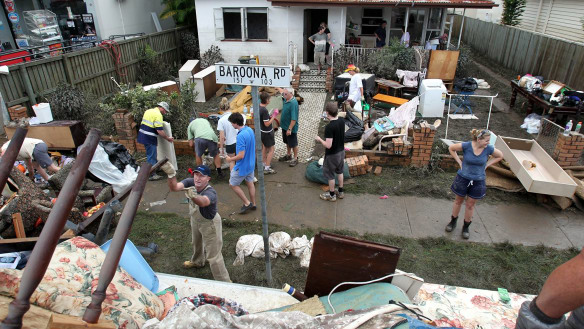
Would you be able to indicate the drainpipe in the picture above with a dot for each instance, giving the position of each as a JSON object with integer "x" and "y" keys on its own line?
{"x": 537, "y": 17}
{"x": 548, "y": 16}
{"x": 407, "y": 21}
{"x": 461, "y": 26}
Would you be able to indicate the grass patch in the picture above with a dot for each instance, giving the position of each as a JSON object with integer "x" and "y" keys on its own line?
{"x": 437, "y": 260}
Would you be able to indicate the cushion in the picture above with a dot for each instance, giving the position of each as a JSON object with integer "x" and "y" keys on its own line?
{"x": 72, "y": 276}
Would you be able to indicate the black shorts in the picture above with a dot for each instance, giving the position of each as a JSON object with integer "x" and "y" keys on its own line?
{"x": 476, "y": 189}
{"x": 290, "y": 141}
{"x": 333, "y": 165}
{"x": 268, "y": 139}
{"x": 230, "y": 149}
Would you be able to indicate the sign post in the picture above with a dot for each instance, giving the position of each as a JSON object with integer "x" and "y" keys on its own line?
{"x": 256, "y": 76}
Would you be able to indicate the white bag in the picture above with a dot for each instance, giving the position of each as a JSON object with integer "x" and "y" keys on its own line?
{"x": 103, "y": 169}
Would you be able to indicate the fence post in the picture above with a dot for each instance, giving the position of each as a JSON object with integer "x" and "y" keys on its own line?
{"x": 68, "y": 70}
{"x": 177, "y": 43}
{"x": 27, "y": 85}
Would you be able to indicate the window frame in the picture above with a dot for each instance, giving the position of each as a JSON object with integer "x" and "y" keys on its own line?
{"x": 220, "y": 25}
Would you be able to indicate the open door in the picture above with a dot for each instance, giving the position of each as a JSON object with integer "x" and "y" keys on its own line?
{"x": 312, "y": 19}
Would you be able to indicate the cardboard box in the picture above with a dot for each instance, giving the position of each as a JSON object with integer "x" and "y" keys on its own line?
{"x": 546, "y": 178}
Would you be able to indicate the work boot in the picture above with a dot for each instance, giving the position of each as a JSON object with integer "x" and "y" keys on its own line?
{"x": 465, "y": 232}
{"x": 452, "y": 224}
{"x": 189, "y": 264}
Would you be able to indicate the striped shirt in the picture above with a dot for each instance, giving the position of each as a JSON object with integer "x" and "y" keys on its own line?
{"x": 151, "y": 122}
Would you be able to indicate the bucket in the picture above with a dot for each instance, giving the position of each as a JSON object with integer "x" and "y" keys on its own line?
{"x": 43, "y": 112}
{"x": 133, "y": 262}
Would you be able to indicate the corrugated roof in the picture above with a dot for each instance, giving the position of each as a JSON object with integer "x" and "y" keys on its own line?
{"x": 399, "y": 3}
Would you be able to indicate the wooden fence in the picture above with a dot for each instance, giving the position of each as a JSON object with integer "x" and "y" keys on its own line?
{"x": 525, "y": 51}
{"x": 90, "y": 69}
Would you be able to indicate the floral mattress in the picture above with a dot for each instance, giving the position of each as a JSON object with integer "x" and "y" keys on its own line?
{"x": 468, "y": 308}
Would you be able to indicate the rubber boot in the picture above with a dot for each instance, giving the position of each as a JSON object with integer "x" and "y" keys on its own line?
{"x": 465, "y": 232}
{"x": 452, "y": 224}
{"x": 576, "y": 319}
{"x": 527, "y": 319}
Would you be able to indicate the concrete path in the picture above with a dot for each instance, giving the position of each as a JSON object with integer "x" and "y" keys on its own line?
{"x": 294, "y": 202}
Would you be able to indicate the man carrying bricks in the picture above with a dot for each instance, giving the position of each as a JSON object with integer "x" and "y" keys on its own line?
{"x": 334, "y": 156}
{"x": 203, "y": 138}
{"x": 150, "y": 128}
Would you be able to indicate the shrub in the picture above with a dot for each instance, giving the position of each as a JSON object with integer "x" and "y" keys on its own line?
{"x": 151, "y": 69}
{"x": 68, "y": 103}
{"x": 189, "y": 45}
{"x": 512, "y": 12}
{"x": 211, "y": 56}
{"x": 137, "y": 101}
{"x": 387, "y": 60}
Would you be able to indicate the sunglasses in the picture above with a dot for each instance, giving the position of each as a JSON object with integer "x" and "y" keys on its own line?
{"x": 484, "y": 132}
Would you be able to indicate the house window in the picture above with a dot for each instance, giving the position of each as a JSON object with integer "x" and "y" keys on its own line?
{"x": 371, "y": 19}
{"x": 241, "y": 24}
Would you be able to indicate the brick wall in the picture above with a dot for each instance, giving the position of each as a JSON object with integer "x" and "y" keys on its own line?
{"x": 329, "y": 80}
{"x": 126, "y": 129}
{"x": 416, "y": 153}
{"x": 296, "y": 78}
{"x": 568, "y": 150}
{"x": 447, "y": 162}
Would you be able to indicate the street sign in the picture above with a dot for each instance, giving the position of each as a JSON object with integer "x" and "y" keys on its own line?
{"x": 253, "y": 75}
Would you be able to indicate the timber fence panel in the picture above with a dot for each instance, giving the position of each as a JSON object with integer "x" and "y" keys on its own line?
{"x": 525, "y": 51}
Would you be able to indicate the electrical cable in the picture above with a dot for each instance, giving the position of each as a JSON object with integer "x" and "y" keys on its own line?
{"x": 113, "y": 49}
{"x": 360, "y": 283}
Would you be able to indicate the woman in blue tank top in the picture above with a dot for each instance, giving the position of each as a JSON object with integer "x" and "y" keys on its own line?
{"x": 470, "y": 179}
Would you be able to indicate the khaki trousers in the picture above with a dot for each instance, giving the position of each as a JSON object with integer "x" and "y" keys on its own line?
{"x": 207, "y": 243}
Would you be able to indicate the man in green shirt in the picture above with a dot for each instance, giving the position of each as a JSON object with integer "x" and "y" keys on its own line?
{"x": 203, "y": 138}
{"x": 289, "y": 125}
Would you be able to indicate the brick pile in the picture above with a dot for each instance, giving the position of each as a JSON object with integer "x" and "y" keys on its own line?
{"x": 181, "y": 147}
{"x": 568, "y": 150}
{"x": 17, "y": 112}
{"x": 126, "y": 129}
{"x": 423, "y": 140}
{"x": 358, "y": 165}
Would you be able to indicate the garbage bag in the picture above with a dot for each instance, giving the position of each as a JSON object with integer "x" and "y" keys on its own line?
{"x": 281, "y": 244}
{"x": 102, "y": 168}
{"x": 466, "y": 84}
{"x": 314, "y": 173}
{"x": 298, "y": 245}
{"x": 118, "y": 155}
{"x": 355, "y": 130}
{"x": 532, "y": 123}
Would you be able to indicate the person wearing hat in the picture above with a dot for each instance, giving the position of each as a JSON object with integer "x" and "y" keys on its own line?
{"x": 355, "y": 87}
{"x": 150, "y": 128}
{"x": 206, "y": 230}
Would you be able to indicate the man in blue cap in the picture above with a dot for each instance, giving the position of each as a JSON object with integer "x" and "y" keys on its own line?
{"x": 207, "y": 237}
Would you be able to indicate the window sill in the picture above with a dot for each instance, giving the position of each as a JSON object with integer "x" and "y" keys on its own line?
{"x": 252, "y": 40}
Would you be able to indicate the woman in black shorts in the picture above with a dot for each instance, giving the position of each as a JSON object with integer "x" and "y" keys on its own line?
{"x": 470, "y": 179}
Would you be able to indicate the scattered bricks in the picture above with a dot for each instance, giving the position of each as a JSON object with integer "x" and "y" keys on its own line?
{"x": 358, "y": 165}
{"x": 17, "y": 112}
{"x": 377, "y": 171}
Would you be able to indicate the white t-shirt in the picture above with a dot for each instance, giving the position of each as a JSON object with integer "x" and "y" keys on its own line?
{"x": 26, "y": 149}
{"x": 355, "y": 88}
{"x": 225, "y": 126}
{"x": 405, "y": 39}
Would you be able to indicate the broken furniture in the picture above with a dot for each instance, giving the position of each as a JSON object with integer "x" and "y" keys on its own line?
{"x": 533, "y": 100}
{"x": 388, "y": 86}
{"x": 403, "y": 134}
{"x": 167, "y": 86}
{"x": 442, "y": 65}
{"x": 547, "y": 177}
{"x": 336, "y": 259}
{"x": 388, "y": 100}
{"x": 205, "y": 84}
{"x": 188, "y": 70}
{"x": 58, "y": 135}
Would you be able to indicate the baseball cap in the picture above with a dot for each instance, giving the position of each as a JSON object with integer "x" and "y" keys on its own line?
{"x": 165, "y": 106}
{"x": 351, "y": 67}
{"x": 204, "y": 170}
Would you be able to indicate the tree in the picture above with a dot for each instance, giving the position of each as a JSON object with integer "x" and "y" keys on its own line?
{"x": 512, "y": 12}
{"x": 182, "y": 11}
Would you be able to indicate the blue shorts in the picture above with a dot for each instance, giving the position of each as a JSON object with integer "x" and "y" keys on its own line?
{"x": 476, "y": 189}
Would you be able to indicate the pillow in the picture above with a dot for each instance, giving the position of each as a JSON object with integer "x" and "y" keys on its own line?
{"x": 72, "y": 276}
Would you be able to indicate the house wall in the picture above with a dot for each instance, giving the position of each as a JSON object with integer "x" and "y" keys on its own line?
{"x": 284, "y": 25}
{"x": 126, "y": 17}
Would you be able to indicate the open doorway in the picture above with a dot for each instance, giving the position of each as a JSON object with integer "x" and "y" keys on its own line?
{"x": 312, "y": 19}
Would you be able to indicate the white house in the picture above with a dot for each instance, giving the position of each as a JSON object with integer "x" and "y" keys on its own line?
{"x": 267, "y": 27}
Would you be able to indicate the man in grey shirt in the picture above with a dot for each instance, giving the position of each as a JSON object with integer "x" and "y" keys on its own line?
{"x": 319, "y": 40}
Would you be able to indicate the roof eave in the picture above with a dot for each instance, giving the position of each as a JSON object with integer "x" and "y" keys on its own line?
{"x": 304, "y": 3}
